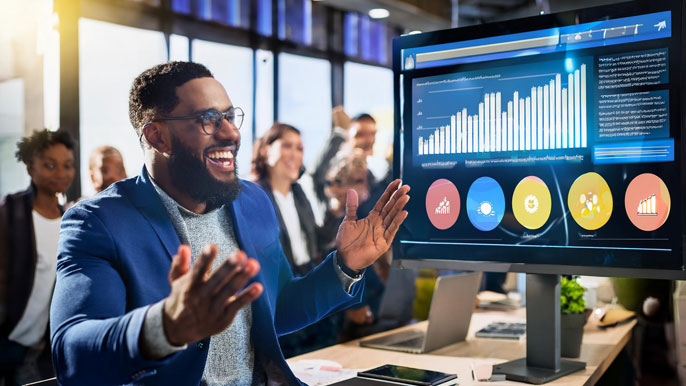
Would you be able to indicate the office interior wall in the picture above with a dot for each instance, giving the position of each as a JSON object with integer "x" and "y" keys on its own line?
{"x": 369, "y": 89}
{"x": 106, "y": 72}
{"x": 305, "y": 100}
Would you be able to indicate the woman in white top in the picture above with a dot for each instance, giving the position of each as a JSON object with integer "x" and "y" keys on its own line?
{"x": 29, "y": 233}
{"x": 277, "y": 165}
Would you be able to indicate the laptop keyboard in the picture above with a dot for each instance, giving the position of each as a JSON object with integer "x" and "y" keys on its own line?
{"x": 413, "y": 342}
{"x": 503, "y": 330}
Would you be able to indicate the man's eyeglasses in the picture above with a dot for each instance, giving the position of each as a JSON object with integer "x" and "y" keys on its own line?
{"x": 211, "y": 120}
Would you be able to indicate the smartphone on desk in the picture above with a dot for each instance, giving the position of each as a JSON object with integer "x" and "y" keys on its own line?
{"x": 407, "y": 375}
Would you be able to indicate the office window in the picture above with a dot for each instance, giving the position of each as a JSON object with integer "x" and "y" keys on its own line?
{"x": 202, "y": 9}
{"x": 264, "y": 91}
{"x": 366, "y": 38}
{"x": 351, "y": 33}
{"x": 105, "y": 77}
{"x": 295, "y": 21}
{"x": 13, "y": 176}
{"x": 264, "y": 17}
{"x": 305, "y": 100}
{"x": 178, "y": 47}
{"x": 181, "y": 6}
{"x": 320, "y": 34}
{"x": 235, "y": 13}
{"x": 49, "y": 46}
{"x": 232, "y": 66}
{"x": 369, "y": 89}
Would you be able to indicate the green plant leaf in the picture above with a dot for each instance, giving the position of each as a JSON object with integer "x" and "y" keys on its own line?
{"x": 572, "y": 296}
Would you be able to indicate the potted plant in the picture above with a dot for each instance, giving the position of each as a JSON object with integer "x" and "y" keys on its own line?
{"x": 573, "y": 319}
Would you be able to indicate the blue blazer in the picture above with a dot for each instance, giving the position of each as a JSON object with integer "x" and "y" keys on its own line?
{"x": 114, "y": 256}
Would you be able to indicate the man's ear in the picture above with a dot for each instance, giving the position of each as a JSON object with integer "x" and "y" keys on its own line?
{"x": 157, "y": 136}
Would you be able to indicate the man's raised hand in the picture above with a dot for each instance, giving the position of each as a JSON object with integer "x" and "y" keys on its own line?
{"x": 202, "y": 302}
{"x": 361, "y": 242}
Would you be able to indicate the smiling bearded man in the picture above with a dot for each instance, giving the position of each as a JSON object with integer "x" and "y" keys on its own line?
{"x": 177, "y": 276}
{"x": 190, "y": 173}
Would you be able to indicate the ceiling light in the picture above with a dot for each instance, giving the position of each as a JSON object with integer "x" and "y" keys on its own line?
{"x": 379, "y": 13}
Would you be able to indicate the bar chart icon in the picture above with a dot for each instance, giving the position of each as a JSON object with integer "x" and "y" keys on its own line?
{"x": 647, "y": 207}
{"x": 545, "y": 116}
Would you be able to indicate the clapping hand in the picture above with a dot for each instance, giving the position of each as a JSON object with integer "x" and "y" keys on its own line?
{"x": 202, "y": 302}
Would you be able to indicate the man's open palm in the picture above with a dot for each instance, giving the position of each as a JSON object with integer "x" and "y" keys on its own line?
{"x": 361, "y": 242}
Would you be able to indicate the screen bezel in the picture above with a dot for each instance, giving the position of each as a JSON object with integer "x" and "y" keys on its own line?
{"x": 530, "y": 24}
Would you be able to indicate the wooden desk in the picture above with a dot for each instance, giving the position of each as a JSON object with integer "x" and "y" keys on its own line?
{"x": 599, "y": 349}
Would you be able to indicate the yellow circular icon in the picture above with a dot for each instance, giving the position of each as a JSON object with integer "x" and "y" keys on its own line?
{"x": 590, "y": 201}
{"x": 531, "y": 202}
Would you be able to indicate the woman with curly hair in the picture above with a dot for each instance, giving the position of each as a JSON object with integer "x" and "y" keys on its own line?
{"x": 29, "y": 232}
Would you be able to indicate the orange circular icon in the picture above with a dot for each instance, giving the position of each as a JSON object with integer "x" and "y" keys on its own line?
{"x": 647, "y": 202}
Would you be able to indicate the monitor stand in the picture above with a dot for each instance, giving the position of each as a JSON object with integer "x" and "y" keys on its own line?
{"x": 542, "y": 363}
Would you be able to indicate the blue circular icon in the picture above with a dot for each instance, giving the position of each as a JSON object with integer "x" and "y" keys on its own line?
{"x": 485, "y": 203}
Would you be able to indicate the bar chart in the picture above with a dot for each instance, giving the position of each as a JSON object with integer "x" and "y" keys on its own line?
{"x": 647, "y": 207}
{"x": 542, "y": 112}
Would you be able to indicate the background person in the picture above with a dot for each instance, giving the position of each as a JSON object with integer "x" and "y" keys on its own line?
{"x": 277, "y": 166}
{"x": 29, "y": 231}
{"x": 348, "y": 134}
{"x": 106, "y": 166}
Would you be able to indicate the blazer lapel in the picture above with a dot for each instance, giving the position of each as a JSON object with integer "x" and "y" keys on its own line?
{"x": 262, "y": 316}
{"x": 148, "y": 202}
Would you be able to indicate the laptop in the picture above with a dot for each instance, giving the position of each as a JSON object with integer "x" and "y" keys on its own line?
{"x": 449, "y": 317}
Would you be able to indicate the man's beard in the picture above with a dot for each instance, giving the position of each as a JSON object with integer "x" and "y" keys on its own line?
{"x": 190, "y": 175}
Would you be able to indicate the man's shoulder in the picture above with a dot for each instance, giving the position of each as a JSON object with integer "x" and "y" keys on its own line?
{"x": 252, "y": 194}
{"x": 116, "y": 197}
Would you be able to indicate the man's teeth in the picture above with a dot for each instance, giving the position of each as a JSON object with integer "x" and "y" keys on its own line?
{"x": 221, "y": 155}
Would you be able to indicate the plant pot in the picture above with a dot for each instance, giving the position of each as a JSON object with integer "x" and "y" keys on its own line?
{"x": 571, "y": 334}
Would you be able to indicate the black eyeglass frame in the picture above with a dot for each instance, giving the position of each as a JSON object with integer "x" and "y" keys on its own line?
{"x": 230, "y": 115}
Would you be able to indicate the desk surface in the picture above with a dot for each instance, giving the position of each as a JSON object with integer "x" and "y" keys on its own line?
{"x": 599, "y": 349}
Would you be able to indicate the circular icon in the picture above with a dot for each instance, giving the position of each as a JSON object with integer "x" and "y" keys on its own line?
{"x": 531, "y": 203}
{"x": 485, "y": 203}
{"x": 442, "y": 203}
{"x": 647, "y": 202}
{"x": 590, "y": 201}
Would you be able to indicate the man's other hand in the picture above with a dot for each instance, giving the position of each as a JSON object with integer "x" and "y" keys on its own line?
{"x": 340, "y": 118}
{"x": 202, "y": 302}
{"x": 361, "y": 242}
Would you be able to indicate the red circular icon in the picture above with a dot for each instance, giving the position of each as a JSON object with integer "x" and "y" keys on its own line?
{"x": 647, "y": 202}
{"x": 442, "y": 204}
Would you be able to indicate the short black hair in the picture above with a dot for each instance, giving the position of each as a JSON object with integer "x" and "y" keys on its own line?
{"x": 363, "y": 116}
{"x": 154, "y": 91}
{"x": 39, "y": 141}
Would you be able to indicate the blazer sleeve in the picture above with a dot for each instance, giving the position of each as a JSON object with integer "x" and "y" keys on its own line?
{"x": 92, "y": 335}
{"x": 305, "y": 300}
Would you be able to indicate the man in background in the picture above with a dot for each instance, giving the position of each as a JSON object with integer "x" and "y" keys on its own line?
{"x": 348, "y": 134}
{"x": 106, "y": 167}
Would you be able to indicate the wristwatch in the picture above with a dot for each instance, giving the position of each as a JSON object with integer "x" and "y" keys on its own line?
{"x": 353, "y": 273}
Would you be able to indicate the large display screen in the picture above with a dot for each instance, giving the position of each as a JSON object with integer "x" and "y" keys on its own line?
{"x": 553, "y": 140}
